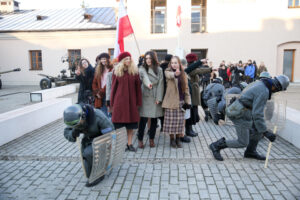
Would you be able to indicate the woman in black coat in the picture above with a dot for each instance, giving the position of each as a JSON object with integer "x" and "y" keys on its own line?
{"x": 85, "y": 75}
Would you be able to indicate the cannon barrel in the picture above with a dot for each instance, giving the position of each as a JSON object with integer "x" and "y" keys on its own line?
{"x": 14, "y": 70}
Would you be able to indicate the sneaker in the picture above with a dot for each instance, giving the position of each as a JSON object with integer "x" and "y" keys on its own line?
{"x": 95, "y": 182}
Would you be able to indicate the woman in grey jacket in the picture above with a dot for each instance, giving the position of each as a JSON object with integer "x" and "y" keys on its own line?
{"x": 151, "y": 76}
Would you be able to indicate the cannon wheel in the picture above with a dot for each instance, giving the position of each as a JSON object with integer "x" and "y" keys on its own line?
{"x": 45, "y": 83}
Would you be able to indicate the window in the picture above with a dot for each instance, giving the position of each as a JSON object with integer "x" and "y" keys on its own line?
{"x": 74, "y": 58}
{"x": 161, "y": 54}
{"x": 294, "y": 3}
{"x": 111, "y": 53}
{"x": 3, "y": 3}
{"x": 36, "y": 60}
{"x": 198, "y": 16}
{"x": 201, "y": 53}
{"x": 158, "y": 16}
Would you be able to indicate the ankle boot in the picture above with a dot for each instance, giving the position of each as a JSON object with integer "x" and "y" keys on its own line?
{"x": 172, "y": 141}
{"x": 192, "y": 131}
{"x": 188, "y": 131}
{"x": 216, "y": 147}
{"x": 151, "y": 143}
{"x": 141, "y": 145}
{"x": 251, "y": 151}
{"x": 178, "y": 142}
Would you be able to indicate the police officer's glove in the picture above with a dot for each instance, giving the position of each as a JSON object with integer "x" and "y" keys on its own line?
{"x": 271, "y": 136}
{"x": 75, "y": 133}
{"x": 186, "y": 106}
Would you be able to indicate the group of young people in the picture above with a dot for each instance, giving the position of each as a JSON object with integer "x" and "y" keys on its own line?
{"x": 134, "y": 96}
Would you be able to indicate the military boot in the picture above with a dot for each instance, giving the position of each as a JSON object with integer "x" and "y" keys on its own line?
{"x": 188, "y": 131}
{"x": 215, "y": 147}
{"x": 251, "y": 151}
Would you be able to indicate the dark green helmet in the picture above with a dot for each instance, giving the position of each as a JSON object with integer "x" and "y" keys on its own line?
{"x": 73, "y": 115}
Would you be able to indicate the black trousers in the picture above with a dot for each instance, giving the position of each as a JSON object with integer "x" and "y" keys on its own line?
{"x": 142, "y": 125}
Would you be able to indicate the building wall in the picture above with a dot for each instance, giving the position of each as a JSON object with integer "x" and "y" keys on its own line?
{"x": 14, "y": 52}
{"x": 236, "y": 30}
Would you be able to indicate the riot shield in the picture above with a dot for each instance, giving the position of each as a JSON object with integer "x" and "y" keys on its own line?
{"x": 228, "y": 98}
{"x": 108, "y": 151}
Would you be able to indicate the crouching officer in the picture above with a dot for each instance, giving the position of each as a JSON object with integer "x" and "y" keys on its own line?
{"x": 247, "y": 114}
{"x": 210, "y": 98}
{"x": 235, "y": 89}
{"x": 83, "y": 118}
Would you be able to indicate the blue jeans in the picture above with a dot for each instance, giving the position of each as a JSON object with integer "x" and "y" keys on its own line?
{"x": 104, "y": 109}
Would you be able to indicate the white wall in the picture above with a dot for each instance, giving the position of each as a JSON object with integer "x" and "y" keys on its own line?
{"x": 236, "y": 30}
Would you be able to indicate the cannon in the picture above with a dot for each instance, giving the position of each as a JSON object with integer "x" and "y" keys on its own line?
{"x": 62, "y": 78}
{"x": 14, "y": 70}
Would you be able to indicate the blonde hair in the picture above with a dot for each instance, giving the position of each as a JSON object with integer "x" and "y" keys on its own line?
{"x": 119, "y": 69}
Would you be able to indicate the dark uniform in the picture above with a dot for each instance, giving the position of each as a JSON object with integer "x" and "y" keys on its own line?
{"x": 92, "y": 123}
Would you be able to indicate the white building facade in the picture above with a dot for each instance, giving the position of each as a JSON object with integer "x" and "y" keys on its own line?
{"x": 230, "y": 30}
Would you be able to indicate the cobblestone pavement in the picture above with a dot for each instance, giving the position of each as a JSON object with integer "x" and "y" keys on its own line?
{"x": 44, "y": 165}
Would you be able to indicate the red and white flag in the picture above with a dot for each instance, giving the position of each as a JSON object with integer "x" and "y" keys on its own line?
{"x": 178, "y": 16}
{"x": 123, "y": 29}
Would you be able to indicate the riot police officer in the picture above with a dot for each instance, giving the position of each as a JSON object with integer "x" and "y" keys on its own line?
{"x": 247, "y": 114}
{"x": 211, "y": 96}
{"x": 235, "y": 89}
{"x": 83, "y": 118}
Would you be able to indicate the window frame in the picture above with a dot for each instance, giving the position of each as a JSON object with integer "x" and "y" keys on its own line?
{"x": 70, "y": 55}
{"x": 162, "y": 51}
{"x": 294, "y": 6}
{"x": 200, "y": 50}
{"x": 38, "y": 65}
{"x": 202, "y": 8}
{"x": 111, "y": 52}
{"x": 152, "y": 15}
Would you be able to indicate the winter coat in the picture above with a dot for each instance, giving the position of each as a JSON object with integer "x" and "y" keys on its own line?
{"x": 223, "y": 74}
{"x": 125, "y": 98}
{"x": 86, "y": 82}
{"x": 97, "y": 89}
{"x": 171, "y": 99}
{"x": 108, "y": 85}
{"x": 149, "y": 108}
{"x": 164, "y": 66}
{"x": 213, "y": 90}
{"x": 253, "y": 100}
{"x": 194, "y": 70}
{"x": 250, "y": 71}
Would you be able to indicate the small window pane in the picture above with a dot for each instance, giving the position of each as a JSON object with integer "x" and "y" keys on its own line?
{"x": 291, "y": 3}
{"x": 297, "y": 3}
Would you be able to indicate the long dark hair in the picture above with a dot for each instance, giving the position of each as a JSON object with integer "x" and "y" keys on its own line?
{"x": 183, "y": 77}
{"x": 100, "y": 68}
{"x": 154, "y": 61}
{"x": 81, "y": 67}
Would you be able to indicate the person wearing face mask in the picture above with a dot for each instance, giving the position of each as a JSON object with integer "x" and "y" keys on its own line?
{"x": 177, "y": 99}
{"x": 85, "y": 75}
{"x": 100, "y": 80}
{"x": 126, "y": 96}
{"x": 247, "y": 115}
{"x": 151, "y": 76}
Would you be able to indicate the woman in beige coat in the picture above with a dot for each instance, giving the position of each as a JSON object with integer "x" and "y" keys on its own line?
{"x": 151, "y": 76}
{"x": 177, "y": 99}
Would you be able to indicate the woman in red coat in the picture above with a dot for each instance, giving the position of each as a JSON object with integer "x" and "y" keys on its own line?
{"x": 99, "y": 82}
{"x": 126, "y": 96}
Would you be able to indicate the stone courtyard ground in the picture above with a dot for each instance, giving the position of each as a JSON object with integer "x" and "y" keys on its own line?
{"x": 43, "y": 165}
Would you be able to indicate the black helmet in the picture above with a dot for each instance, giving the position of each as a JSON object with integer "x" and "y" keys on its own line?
{"x": 73, "y": 115}
{"x": 281, "y": 82}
